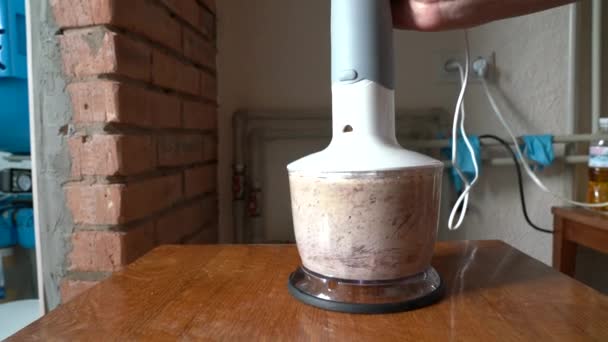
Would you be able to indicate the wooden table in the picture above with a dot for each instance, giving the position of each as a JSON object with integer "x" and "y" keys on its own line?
{"x": 577, "y": 226}
{"x": 494, "y": 292}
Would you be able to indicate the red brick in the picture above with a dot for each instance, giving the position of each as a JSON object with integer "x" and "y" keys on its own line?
{"x": 209, "y": 148}
{"x": 88, "y": 52}
{"x": 150, "y": 196}
{"x": 208, "y": 86}
{"x": 164, "y": 110}
{"x": 207, "y": 24}
{"x": 109, "y": 251}
{"x": 180, "y": 223}
{"x": 75, "y": 145}
{"x": 148, "y": 19}
{"x": 138, "y": 16}
{"x": 110, "y": 204}
{"x": 200, "y": 180}
{"x": 94, "y": 101}
{"x": 110, "y": 155}
{"x": 75, "y": 13}
{"x": 198, "y": 49}
{"x": 188, "y": 10}
{"x": 95, "y": 204}
{"x": 198, "y": 115}
{"x": 169, "y": 72}
{"x": 138, "y": 241}
{"x": 208, "y": 234}
{"x": 146, "y": 108}
{"x": 133, "y": 58}
{"x": 112, "y": 102}
{"x": 176, "y": 150}
{"x": 210, "y": 4}
{"x": 71, "y": 288}
{"x": 96, "y": 251}
{"x": 95, "y": 51}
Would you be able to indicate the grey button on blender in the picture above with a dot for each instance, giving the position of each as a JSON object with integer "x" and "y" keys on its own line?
{"x": 348, "y": 75}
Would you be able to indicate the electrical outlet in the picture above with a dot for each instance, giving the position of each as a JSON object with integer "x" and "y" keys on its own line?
{"x": 443, "y": 75}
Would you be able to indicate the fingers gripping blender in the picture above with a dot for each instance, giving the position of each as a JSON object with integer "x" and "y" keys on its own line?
{"x": 365, "y": 210}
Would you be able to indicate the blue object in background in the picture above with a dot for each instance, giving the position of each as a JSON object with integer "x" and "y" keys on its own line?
{"x": 14, "y": 113}
{"x": 8, "y": 232}
{"x": 464, "y": 160}
{"x": 2, "y": 289}
{"x": 16, "y": 220}
{"x": 539, "y": 148}
{"x": 25, "y": 228}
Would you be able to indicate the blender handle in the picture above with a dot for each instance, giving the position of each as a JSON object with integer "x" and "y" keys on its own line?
{"x": 362, "y": 42}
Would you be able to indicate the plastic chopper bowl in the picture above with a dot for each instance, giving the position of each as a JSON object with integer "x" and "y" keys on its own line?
{"x": 366, "y": 226}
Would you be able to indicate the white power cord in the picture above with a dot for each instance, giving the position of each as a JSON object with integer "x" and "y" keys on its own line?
{"x": 481, "y": 66}
{"x": 458, "y": 124}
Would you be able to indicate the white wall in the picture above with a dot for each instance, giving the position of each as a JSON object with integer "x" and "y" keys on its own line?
{"x": 531, "y": 57}
{"x": 274, "y": 54}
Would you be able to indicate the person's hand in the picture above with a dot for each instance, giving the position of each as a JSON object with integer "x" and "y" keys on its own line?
{"x": 438, "y": 15}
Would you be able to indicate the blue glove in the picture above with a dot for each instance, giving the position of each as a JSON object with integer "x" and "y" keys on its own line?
{"x": 464, "y": 160}
{"x": 539, "y": 148}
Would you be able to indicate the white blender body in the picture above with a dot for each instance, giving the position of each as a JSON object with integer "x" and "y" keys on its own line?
{"x": 363, "y": 122}
{"x": 365, "y": 210}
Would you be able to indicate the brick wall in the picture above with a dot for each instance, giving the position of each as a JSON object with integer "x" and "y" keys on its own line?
{"x": 142, "y": 140}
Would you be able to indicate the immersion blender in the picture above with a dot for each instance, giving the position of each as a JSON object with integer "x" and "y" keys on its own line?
{"x": 365, "y": 210}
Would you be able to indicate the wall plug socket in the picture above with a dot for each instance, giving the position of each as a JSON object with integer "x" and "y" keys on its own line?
{"x": 445, "y": 74}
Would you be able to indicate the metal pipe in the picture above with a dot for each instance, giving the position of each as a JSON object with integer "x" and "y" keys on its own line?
{"x": 560, "y": 139}
{"x": 439, "y": 143}
{"x": 596, "y": 64}
{"x": 573, "y": 57}
{"x": 578, "y": 159}
{"x": 573, "y": 93}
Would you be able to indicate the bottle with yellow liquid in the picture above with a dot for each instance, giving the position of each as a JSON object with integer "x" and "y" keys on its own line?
{"x": 597, "y": 190}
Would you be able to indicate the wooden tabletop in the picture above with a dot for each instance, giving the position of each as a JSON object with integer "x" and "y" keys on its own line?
{"x": 588, "y": 217}
{"x": 494, "y": 293}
